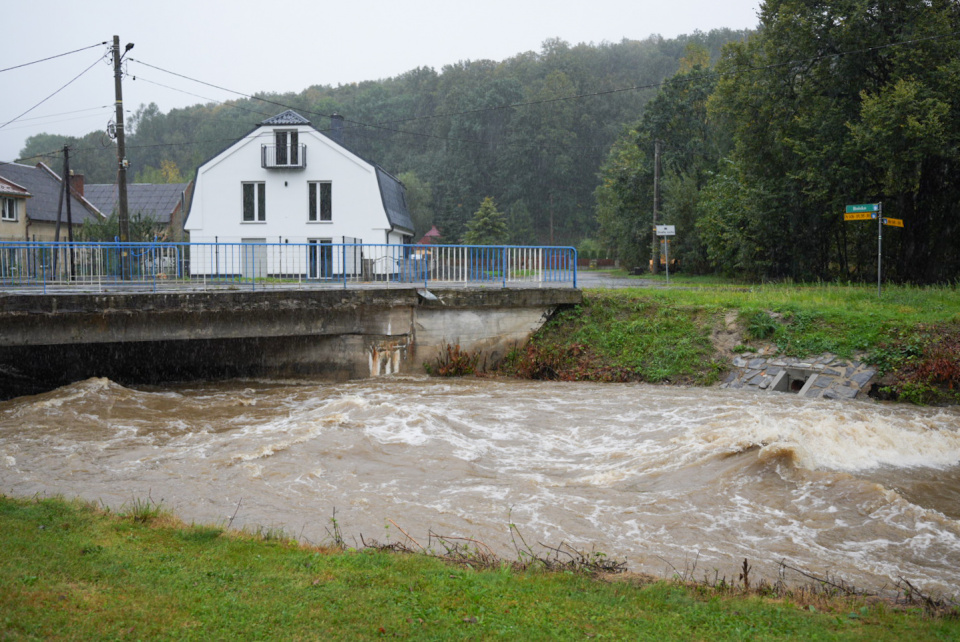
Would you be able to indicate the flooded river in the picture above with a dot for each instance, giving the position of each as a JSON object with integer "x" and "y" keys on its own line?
{"x": 664, "y": 477}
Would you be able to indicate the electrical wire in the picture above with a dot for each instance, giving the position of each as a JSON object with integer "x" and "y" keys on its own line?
{"x": 53, "y": 94}
{"x": 27, "y": 64}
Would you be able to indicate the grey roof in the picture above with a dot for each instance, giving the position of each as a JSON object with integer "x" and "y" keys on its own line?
{"x": 394, "y": 201}
{"x": 156, "y": 202}
{"x": 288, "y": 117}
{"x": 45, "y": 188}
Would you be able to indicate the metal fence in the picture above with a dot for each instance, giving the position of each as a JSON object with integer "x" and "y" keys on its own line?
{"x": 38, "y": 266}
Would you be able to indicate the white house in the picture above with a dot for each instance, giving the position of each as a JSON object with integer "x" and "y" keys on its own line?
{"x": 286, "y": 182}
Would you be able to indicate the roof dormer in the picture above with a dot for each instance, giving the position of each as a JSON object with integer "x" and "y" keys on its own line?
{"x": 287, "y": 152}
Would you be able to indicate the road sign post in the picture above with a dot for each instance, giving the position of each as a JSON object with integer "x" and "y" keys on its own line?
{"x": 666, "y": 230}
{"x": 866, "y": 212}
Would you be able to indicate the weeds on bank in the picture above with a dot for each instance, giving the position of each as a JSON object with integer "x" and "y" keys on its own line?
{"x": 453, "y": 362}
{"x": 921, "y": 364}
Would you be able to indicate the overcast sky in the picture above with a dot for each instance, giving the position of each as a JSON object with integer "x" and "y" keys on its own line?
{"x": 287, "y": 45}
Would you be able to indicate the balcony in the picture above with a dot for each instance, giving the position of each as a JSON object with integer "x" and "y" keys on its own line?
{"x": 283, "y": 156}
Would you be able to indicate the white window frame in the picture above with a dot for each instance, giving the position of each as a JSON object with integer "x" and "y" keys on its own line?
{"x": 258, "y": 213}
{"x": 9, "y": 207}
{"x": 315, "y": 209}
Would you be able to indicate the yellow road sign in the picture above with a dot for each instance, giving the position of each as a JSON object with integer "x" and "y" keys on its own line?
{"x": 893, "y": 222}
{"x": 858, "y": 216}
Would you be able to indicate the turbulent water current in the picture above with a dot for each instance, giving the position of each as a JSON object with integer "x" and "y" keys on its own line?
{"x": 670, "y": 479}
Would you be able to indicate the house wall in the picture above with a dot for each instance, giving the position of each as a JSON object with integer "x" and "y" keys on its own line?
{"x": 15, "y": 230}
{"x": 47, "y": 230}
{"x": 216, "y": 213}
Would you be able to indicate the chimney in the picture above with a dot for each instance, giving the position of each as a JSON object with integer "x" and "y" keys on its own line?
{"x": 336, "y": 128}
{"x": 76, "y": 183}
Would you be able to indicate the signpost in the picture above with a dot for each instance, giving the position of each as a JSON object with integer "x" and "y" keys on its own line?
{"x": 871, "y": 211}
{"x": 666, "y": 230}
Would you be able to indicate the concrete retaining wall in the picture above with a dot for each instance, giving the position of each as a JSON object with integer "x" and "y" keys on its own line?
{"x": 46, "y": 341}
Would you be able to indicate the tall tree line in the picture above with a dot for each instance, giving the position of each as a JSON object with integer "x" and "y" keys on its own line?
{"x": 830, "y": 103}
{"x": 452, "y": 133}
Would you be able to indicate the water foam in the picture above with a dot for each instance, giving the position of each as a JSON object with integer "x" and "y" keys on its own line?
{"x": 823, "y": 436}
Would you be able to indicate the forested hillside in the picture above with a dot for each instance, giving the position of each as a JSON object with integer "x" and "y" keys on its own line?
{"x": 512, "y": 130}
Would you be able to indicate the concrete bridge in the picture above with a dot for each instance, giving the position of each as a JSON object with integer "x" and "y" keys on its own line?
{"x": 53, "y": 339}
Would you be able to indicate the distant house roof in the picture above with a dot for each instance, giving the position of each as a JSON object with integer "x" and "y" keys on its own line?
{"x": 9, "y": 188}
{"x": 430, "y": 237}
{"x": 288, "y": 117}
{"x": 44, "y": 186}
{"x": 157, "y": 202}
{"x": 394, "y": 202}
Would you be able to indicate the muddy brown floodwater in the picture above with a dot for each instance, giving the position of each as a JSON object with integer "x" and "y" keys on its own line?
{"x": 664, "y": 477}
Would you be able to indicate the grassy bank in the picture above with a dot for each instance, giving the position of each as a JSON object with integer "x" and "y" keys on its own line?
{"x": 671, "y": 335}
{"x": 72, "y": 571}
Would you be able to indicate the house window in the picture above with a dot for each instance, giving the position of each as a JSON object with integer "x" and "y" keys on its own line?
{"x": 320, "y": 202}
{"x": 9, "y": 209}
{"x": 288, "y": 147}
{"x": 254, "y": 202}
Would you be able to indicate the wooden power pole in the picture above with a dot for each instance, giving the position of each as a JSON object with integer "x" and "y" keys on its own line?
{"x": 122, "y": 214}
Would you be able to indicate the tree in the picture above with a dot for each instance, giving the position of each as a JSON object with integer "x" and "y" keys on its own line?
{"x": 691, "y": 148}
{"x": 487, "y": 227}
{"x": 520, "y": 225}
{"x": 168, "y": 173}
{"x": 848, "y": 102}
{"x": 419, "y": 196}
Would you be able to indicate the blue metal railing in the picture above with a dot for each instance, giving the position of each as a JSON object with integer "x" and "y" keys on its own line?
{"x": 138, "y": 266}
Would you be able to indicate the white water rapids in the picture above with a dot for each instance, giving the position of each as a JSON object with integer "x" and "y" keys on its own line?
{"x": 664, "y": 477}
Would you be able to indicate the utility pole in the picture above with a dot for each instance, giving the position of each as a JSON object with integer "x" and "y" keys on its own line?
{"x": 122, "y": 215}
{"x": 655, "y": 267}
{"x": 67, "y": 194}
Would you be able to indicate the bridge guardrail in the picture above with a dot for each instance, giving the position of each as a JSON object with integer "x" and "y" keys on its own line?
{"x": 33, "y": 266}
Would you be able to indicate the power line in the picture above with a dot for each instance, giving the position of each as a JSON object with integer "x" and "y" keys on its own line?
{"x": 27, "y": 64}
{"x": 53, "y": 94}
{"x": 52, "y": 122}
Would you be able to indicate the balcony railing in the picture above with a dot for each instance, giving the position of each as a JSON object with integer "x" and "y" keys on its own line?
{"x": 283, "y": 156}
{"x": 101, "y": 267}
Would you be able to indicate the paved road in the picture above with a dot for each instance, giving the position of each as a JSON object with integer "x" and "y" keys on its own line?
{"x": 591, "y": 279}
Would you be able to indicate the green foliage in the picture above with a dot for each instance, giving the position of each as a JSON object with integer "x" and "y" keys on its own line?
{"x": 167, "y": 173}
{"x": 922, "y": 364}
{"x": 691, "y": 146}
{"x": 760, "y": 325}
{"x": 876, "y": 125}
{"x": 142, "y": 229}
{"x": 419, "y": 196}
{"x": 520, "y": 225}
{"x": 488, "y": 225}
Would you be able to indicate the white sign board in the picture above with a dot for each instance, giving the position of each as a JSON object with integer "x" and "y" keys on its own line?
{"x": 666, "y": 230}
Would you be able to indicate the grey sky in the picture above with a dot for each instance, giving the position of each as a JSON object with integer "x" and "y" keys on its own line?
{"x": 251, "y": 46}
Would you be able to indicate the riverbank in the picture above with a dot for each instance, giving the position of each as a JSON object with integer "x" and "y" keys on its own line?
{"x": 75, "y": 571}
{"x": 695, "y": 333}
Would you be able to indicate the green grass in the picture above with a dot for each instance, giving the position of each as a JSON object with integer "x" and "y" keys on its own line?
{"x": 663, "y": 334}
{"x": 71, "y": 571}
